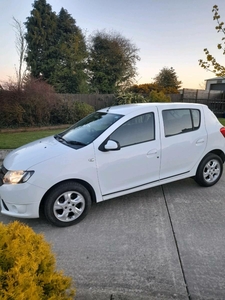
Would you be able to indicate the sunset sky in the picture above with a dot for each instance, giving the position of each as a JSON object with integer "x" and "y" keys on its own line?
{"x": 169, "y": 33}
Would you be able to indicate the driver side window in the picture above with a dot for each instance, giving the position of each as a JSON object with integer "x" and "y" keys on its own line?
{"x": 137, "y": 130}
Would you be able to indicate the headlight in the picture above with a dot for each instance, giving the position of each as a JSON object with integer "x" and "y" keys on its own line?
{"x": 14, "y": 177}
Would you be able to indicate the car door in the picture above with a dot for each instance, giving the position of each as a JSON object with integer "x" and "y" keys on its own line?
{"x": 136, "y": 164}
{"x": 183, "y": 141}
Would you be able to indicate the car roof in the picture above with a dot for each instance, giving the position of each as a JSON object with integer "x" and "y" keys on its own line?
{"x": 129, "y": 108}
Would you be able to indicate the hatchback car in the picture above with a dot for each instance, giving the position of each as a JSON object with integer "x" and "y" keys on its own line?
{"x": 112, "y": 152}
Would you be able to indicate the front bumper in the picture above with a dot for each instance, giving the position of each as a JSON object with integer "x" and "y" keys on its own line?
{"x": 20, "y": 200}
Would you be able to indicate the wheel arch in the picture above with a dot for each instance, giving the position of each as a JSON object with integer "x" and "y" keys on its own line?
{"x": 210, "y": 171}
{"x": 218, "y": 152}
{"x": 84, "y": 183}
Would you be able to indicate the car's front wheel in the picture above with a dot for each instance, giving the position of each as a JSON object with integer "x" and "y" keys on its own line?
{"x": 67, "y": 204}
{"x": 210, "y": 170}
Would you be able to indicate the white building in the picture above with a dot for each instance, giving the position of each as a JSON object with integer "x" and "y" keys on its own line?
{"x": 215, "y": 84}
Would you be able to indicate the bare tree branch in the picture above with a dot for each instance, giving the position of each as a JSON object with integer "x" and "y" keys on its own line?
{"x": 21, "y": 47}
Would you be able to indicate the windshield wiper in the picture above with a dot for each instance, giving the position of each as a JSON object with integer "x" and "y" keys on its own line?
{"x": 76, "y": 143}
{"x": 60, "y": 138}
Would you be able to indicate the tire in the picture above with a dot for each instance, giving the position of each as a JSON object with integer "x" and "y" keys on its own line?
{"x": 67, "y": 204}
{"x": 209, "y": 170}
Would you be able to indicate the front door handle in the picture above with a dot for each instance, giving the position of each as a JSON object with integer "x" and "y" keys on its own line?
{"x": 152, "y": 152}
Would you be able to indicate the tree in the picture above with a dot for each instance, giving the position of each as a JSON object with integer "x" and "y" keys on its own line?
{"x": 69, "y": 75}
{"x": 167, "y": 79}
{"x": 41, "y": 32}
{"x": 56, "y": 49}
{"x": 21, "y": 50}
{"x": 112, "y": 62}
{"x": 211, "y": 64}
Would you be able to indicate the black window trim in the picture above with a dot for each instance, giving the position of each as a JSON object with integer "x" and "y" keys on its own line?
{"x": 192, "y": 121}
{"x": 101, "y": 147}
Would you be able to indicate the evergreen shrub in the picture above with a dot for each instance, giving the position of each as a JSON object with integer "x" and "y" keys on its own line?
{"x": 132, "y": 97}
{"x": 129, "y": 97}
{"x": 155, "y": 96}
{"x": 28, "y": 267}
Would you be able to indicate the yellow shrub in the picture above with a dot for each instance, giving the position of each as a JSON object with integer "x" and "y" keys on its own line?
{"x": 28, "y": 267}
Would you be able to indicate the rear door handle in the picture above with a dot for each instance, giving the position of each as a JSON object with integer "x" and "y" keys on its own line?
{"x": 200, "y": 141}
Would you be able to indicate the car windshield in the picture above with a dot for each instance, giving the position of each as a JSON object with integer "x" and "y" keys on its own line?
{"x": 88, "y": 129}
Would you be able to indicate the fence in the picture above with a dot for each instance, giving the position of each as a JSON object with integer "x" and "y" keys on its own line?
{"x": 215, "y": 100}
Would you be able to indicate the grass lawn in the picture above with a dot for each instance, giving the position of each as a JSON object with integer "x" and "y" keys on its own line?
{"x": 16, "y": 139}
{"x": 222, "y": 121}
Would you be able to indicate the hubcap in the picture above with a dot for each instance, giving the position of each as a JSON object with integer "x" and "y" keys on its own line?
{"x": 211, "y": 171}
{"x": 69, "y": 206}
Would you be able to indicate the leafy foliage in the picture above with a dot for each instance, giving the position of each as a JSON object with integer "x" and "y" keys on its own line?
{"x": 37, "y": 105}
{"x": 41, "y": 31}
{"x": 143, "y": 89}
{"x": 146, "y": 88}
{"x": 56, "y": 48}
{"x": 57, "y": 53}
{"x": 69, "y": 75}
{"x": 211, "y": 63}
{"x": 28, "y": 267}
{"x": 112, "y": 62}
{"x": 130, "y": 97}
{"x": 69, "y": 112}
{"x": 167, "y": 79}
{"x": 158, "y": 97}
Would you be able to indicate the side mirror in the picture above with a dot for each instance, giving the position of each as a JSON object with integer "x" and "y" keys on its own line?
{"x": 111, "y": 145}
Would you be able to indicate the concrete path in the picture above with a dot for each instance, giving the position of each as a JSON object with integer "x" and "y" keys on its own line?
{"x": 162, "y": 243}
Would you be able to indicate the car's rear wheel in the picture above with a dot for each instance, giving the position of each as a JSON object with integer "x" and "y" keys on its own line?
{"x": 210, "y": 170}
{"x": 67, "y": 204}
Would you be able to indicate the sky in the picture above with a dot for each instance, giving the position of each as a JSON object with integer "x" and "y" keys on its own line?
{"x": 168, "y": 33}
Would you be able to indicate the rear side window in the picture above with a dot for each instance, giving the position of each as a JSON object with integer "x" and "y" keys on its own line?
{"x": 137, "y": 130}
{"x": 178, "y": 121}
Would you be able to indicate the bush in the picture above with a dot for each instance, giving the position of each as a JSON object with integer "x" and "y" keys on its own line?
{"x": 28, "y": 268}
{"x": 129, "y": 97}
{"x": 30, "y": 106}
{"x": 38, "y": 105}
{"x": 158, "y": 97}
{"x": 39, "y": 98}
{"x": 69, "y": 112}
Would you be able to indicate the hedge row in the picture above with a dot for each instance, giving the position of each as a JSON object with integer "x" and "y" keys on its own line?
{"x": 38, "y": 105}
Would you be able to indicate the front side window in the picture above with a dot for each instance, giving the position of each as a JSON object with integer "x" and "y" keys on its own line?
{"x": 137, "y": 130}
{"x": 177, "y": 121}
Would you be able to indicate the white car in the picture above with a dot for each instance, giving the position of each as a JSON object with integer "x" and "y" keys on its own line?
{"x": 112, "y": 152}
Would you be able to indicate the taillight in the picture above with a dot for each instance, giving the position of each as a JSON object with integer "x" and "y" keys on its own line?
{"x": 222, "y": 130}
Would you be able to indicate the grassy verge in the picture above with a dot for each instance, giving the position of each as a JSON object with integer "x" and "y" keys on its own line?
{"x": 16, "y": 139}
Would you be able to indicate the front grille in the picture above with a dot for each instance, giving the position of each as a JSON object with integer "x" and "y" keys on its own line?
{"x": 3, "y": 171}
